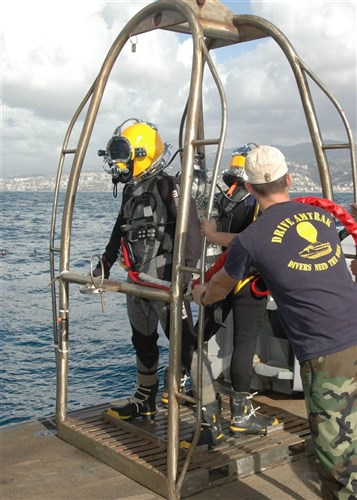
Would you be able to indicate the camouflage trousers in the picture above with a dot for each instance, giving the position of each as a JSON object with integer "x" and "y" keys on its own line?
{"x": 330, "y": 388}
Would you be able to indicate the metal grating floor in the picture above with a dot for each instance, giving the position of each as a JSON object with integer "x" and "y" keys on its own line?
{"x": 138, "y": 448}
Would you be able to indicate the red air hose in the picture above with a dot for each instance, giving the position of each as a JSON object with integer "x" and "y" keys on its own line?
{"x": 212, "y": 270}
{"x": 134, "y": 275}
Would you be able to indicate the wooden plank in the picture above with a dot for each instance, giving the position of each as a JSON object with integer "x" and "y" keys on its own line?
{"x": 147, "y": 476}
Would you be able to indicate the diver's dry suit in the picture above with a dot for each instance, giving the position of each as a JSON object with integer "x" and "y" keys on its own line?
{"x": 143, "y": 238}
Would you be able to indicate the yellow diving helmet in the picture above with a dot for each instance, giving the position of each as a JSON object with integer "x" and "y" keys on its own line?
{"x": 236, "y": 171}
{"x": 135, "y": 151}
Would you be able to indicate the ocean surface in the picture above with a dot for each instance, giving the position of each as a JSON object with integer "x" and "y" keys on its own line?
{"x": 101, "y": 358}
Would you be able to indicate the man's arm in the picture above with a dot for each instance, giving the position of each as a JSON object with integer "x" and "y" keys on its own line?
{"x": 215, "y": 290}
{"x": 209, "y": 229}
{"x": 237, "y": 265}
{"x": 112, "y": 248}
{"x": 110, "y": 254}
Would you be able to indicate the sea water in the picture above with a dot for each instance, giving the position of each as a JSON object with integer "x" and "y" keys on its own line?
{"x": 101, "y": 357}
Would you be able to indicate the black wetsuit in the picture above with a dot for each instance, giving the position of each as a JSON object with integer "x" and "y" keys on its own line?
{"x": 234, "y": 215}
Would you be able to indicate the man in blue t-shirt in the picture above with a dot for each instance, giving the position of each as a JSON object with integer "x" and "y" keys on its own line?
{"x": 297, "y": 250}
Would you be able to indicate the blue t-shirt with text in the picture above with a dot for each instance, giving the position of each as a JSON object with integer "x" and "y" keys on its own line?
{"x": 297, "y": 250}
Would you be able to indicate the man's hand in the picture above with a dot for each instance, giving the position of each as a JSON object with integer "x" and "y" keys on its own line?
{"x": 208, "y": 228}
{"x": 353, "y": 210}
{"x": 97, "y": 271}
{"x": 354, "y": 267}
{"x": 197, "y": 293}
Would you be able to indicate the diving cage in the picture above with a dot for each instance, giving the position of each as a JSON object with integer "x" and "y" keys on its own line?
{"x": 211, "y": 25}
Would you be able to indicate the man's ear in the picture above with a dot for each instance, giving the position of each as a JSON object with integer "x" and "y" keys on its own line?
{"x": 249, "y": 187}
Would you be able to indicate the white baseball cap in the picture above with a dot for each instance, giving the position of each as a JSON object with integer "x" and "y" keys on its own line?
{"x": 265, "y": 164}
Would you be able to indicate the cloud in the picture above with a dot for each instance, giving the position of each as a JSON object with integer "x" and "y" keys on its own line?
{"x": 53, "y": 51}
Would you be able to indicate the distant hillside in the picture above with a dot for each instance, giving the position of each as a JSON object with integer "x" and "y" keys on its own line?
{"x": 300, "y": 158}
{"x": 339, "y": 161}
{"x": 303, "y": 155}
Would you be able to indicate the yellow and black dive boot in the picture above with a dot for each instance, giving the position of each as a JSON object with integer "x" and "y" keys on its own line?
{"x": 142, "y": 404}
{"x": 244, "y": 417}
{"x": 211, "y": 430}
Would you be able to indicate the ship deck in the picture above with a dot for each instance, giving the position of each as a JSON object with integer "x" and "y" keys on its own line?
{"x": 37, "y": 464}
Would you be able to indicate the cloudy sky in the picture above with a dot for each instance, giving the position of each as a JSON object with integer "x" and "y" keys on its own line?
{"x": 52, "y": 52}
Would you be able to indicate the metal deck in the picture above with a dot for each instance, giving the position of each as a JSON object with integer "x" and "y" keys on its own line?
{"x": 138, "y": 449}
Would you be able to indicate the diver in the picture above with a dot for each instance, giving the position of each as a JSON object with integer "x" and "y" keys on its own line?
{"x": 237, "y": 209}
{"x": 143, "y": 240}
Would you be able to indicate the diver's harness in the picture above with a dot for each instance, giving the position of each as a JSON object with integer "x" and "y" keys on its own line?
{"x": 139, "y": 277}
{"x": 233, "y": 199}
{"x": 145, "y": 229}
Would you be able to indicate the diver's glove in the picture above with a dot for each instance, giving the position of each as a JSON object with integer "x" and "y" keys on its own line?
{"x": 97, "y": 271}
